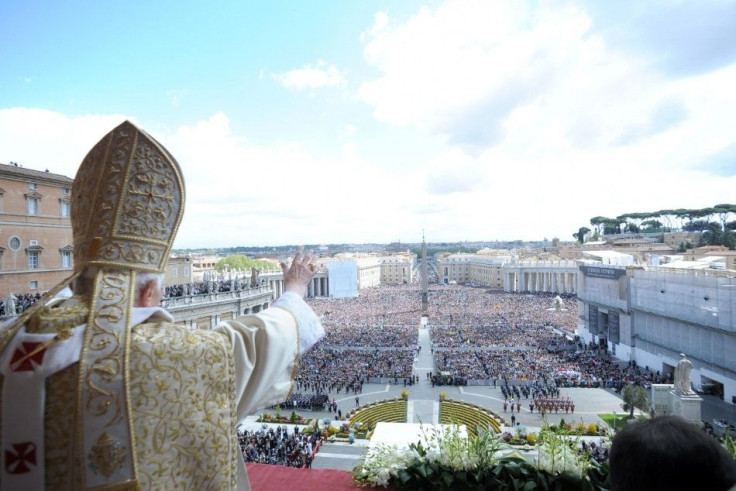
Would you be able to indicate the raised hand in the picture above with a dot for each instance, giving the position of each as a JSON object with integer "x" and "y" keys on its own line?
{"x": 298, "y": 274}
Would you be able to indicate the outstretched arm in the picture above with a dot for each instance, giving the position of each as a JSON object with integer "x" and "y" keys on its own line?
{"x": 267, "y": 345}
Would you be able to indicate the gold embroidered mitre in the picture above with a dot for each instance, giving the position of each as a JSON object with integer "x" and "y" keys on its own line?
{"x": 127, "y": 202}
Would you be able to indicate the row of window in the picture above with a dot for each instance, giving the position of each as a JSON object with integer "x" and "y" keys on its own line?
{"x": 33, "y": 204}
{"x": 33, "y": 252}
{"x": 33, "y": 200}
{"x": 33, "y": 259}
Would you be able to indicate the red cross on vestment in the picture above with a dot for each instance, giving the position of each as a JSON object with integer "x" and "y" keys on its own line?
{"x": 22, "y": 454}
{"x": 21, "y": 352}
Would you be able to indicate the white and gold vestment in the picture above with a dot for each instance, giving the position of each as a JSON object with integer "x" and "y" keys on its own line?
{"x": 99, "y": 394}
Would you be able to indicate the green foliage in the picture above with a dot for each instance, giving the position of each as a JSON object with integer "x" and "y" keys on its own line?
{"x": 445, "y": 460}
{"x": 581, "y": 234}
{"x": 712, "y": 223}
{"x": 730, "y": 446}
{"x": 243, "y": 263}
{"x": 635, "y": 397}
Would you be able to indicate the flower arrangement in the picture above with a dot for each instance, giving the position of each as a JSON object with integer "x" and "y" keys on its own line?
{"x": 280, "y": 418}
{"x": 448, "y": 460}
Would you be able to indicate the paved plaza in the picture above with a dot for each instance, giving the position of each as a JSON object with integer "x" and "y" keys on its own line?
{"x": 423, "y": 407}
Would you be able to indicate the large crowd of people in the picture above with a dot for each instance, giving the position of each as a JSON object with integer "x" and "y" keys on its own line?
{"x": 477, "y": 335}
{"x": 20, "y": 302}
{"x": 278, "y": 446}
{"x": 325, "y": 369}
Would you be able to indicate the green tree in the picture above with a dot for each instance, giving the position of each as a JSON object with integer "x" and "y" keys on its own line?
{"x": 581, "y": 233}
{"x": 242, "y": 262}
{"x": 635, "y": 397}
{"x": 724, "y": 210}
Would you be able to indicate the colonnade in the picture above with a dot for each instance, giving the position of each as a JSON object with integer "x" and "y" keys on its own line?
{"x": 318, "y": 287}
{"x": 541, "y": 281}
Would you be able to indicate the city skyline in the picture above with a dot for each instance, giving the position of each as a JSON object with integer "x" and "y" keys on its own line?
{"x": 334, "y": 122}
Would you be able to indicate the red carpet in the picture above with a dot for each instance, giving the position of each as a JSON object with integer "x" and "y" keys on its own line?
{"x": 265, "y": 477}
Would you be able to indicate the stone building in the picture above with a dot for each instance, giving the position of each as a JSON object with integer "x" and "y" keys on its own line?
{"x": 36, "y": 241}
{"x": 651, "y": 314}
{"x": 719, "y": 253}
{"x": 397, "y": 270}
{"x": 178, "y": 271}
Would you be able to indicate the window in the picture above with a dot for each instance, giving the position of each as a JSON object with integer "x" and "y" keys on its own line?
{"x": 14, "y": 243}
{"x": 186, "y": 271}
{"x": 32, "y": 260}
{"x": 33, "y": 201}
{"x": 32, "y": 185}
{"x": 64, "y": 208}
{"x": 174, "y": 272}
{"x": 65, "y": 191}
{"x": 33, "y": 285}
{"x": 66, "y": 259}
{"x": 32, "y": 206}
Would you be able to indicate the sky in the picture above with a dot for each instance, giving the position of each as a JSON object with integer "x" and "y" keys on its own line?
{"x": 373, "y": 121}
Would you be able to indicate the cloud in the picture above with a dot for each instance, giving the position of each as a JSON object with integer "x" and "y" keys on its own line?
{"x": 664, "y": 116}
{"x": 679, "y": 38}
{"x": 491, "y": 120}
{"x": 461, "y": 70}
{"x": 311, "y": 77}
{"x": 453, "y": 173}
{"x": 723, "y": 163}
{"x": 43, "y": 139}
{"x": 472, "y": 71}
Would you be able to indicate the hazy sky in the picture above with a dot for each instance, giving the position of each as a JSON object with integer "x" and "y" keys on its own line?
{"x": 368, "y": 121}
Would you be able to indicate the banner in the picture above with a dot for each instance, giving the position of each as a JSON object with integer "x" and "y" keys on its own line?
{"x": 614, "y": 330}
{"x": 593, "y": 319}
{"x": 602, "y": 272}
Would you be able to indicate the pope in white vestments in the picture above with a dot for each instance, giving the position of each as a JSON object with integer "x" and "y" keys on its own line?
{"x": 101, "y": 389}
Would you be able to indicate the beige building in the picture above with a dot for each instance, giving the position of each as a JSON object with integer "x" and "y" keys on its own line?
{"x": 36, "y": 241}
{"x": 570, "y": 251}
{"x": 729, "y": 257}
{"x": 488, "y": 271}
{"x": 202, "y": 265}
{"x": 674, "y": 239}
{"x": 484, "y": 268}
{"x": 454, "y": 268}
{"x": 369, "y": 272}
{"x": 178, "y": 271}
{"x": 397, "y": 270}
